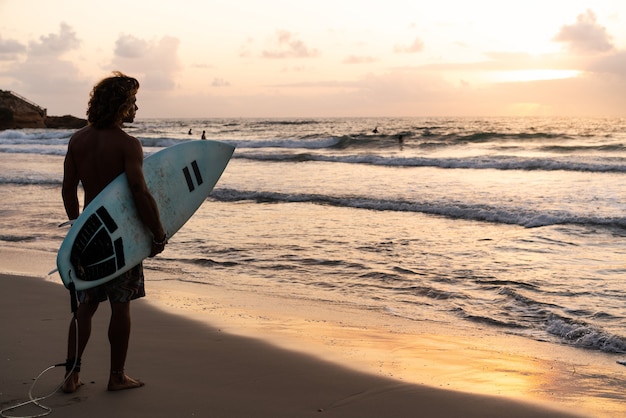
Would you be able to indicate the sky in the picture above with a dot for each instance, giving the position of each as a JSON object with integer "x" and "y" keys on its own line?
{"x": 339, "y": 58}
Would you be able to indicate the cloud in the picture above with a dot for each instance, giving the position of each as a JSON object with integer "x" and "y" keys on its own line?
{"x": 416, "y": 46}
{"x": 353, "y": 59}
{"x": 43, "y": 72}
{"x": 287, "y": 46}
{"x": 613, "y": 64}
{"x": 154, "y": 62}
{"x": 55, "y": 44}
{"x": 60, "y": 77}
{"x": 586, "y": 35}
{"x": 245, "y": 51}
{"x": 202, "y": 66}
{"x": 10, "y": 49}
{"x": 504, "y": 61}
{"x": 128, "y": 46}
{"x": 220, "y": 82}
{"x": 324, "y": 84}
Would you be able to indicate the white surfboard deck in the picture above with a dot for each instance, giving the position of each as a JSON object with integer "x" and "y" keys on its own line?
{"x": 108, "y": 238}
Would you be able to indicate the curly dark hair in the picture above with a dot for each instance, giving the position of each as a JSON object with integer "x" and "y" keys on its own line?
{"x": 112, "y": 100}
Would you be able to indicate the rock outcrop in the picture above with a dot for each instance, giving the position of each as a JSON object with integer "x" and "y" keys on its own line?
{"x": 17, "y": 112}
{"x": 65, "y": 122}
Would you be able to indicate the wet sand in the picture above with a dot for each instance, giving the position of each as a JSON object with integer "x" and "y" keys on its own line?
{"x": 229, "y": 353}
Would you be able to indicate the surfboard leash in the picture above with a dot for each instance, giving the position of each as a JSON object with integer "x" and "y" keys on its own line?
{"x": 74, "y": 363}
{"x": 36, "y": 401}
{"x": 73, "y": 297}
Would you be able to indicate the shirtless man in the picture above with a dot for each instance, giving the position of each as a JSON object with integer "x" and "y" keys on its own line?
{"x": 95, "y": 156}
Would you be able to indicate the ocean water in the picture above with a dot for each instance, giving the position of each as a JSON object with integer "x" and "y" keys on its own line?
{"x": 516, "y": 224}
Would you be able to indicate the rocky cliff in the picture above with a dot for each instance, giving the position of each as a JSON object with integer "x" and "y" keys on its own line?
{"x": 65, "y": 122}
{"x": 17, "y": 112}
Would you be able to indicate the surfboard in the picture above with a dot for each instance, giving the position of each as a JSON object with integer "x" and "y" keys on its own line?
{"x": 108, "y": 238}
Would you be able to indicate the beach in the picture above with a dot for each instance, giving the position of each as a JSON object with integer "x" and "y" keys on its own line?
{"x": 475, "y": 268}
{"x": 235, "y": 355}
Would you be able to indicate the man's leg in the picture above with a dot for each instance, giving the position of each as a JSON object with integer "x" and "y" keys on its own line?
{"x": 83, "y": 319}
{"x": 119, "y": 335}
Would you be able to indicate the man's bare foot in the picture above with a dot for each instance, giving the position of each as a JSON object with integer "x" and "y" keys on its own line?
{"x": 120, "y": 381}
{"x": 72, "y": 383}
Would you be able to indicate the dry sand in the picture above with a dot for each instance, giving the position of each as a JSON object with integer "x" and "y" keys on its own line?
{"x": 239, "y": 354}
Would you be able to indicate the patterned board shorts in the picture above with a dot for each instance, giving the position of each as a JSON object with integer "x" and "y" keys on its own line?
{"x": 123, "y": 288}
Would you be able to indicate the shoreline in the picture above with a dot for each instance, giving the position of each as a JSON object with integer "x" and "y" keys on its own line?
{"x": 450, "y": 363}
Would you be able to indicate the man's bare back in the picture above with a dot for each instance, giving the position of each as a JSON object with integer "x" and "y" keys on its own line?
{"x": 97, "y": 156}
{"x": 100, "y": 155}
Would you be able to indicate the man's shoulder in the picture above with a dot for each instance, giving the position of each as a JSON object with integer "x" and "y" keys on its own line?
{"x": 108, "y": 133}
{"x": 108, "y": 139}
{"x": 128, "y": 144}
{"x": 82, "y": 132}
{"x": 129, "y": 140}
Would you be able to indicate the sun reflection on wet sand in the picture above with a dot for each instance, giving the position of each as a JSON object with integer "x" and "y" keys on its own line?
{"x": 421, "y": 352}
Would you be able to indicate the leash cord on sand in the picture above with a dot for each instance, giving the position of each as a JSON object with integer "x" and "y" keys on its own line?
{"x": 35, "y": 401}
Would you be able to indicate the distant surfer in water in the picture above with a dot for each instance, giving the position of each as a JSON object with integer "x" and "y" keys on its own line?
{"x": 375, "y": 131}
{"x": 96, "y": 155}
